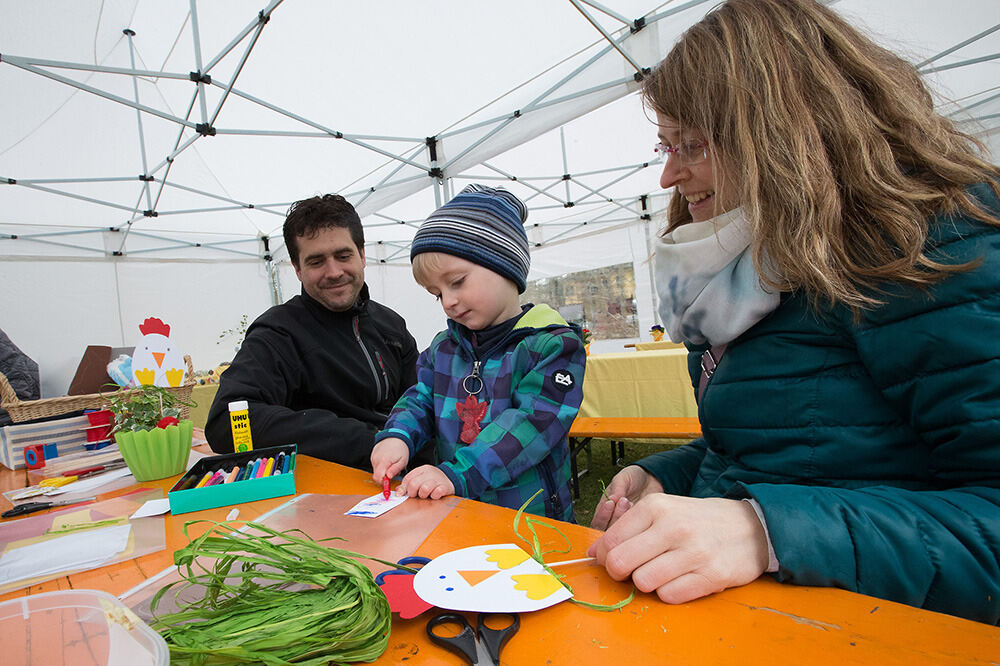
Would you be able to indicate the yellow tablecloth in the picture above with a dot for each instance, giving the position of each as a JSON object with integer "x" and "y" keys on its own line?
{"x": 662, "y": 344}
{"x": 639, "y": 383}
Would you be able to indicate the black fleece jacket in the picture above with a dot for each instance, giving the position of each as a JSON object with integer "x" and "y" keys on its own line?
{"x": 323, "y": 380}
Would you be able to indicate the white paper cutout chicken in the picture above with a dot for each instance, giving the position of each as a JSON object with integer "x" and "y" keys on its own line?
{"x": 157, "y": 360}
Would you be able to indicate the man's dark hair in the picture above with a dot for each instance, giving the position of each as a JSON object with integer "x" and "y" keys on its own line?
{"x": 308, "y": 216}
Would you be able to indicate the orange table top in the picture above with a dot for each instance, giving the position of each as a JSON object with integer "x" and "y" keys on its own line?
{"x": 764, "y": 622}
{"x": 628, "y": 427}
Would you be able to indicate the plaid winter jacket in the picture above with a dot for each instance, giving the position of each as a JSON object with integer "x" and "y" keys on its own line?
{"x": 532, "y": 386}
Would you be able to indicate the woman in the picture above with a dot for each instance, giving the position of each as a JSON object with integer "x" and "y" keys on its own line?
{"x": 835, "y": 245}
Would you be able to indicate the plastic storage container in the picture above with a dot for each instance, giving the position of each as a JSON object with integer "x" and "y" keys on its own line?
{"x": 79, "y": 627}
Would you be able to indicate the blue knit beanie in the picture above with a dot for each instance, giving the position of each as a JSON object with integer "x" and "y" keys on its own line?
{"x": 483, "y": 225}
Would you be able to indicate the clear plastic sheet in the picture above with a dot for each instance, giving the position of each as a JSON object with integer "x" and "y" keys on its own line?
{"x": 391, "y": 536}
{"x": 147, "y": 534}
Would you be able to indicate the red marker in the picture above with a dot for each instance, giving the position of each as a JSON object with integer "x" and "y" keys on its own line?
{"x": 385, "y": 486}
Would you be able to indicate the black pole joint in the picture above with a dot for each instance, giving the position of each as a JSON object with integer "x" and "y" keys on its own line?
{"x": 129, "y": 31}
{"x": 204, "y": 129}
{"x": 146, "y": 179}
{"x": 150, "y": 213}
{"x": 638, "y": 25}
{"x": 198, "y": 77}
{"x": 436, "y": 172}
{"x": 431, "y": 142}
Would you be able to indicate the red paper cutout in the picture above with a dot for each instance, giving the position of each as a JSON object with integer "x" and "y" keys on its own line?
{"x": 398, "y": 589}
{"x": 471, "y": 412}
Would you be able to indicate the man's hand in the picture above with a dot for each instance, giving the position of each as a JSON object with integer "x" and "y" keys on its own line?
{"x": 628, "y": 487}
{"x": 684, "y": 548}
{"x": 389, "y": 457}
{"x": 427, "y": 481}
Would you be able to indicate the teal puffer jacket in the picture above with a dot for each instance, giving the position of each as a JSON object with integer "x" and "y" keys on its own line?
{"x": 873, "y": 447}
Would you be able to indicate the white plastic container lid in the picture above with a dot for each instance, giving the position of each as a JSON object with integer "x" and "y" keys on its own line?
{"x": 79, "y": 627}
{"x": 238, "y": 405}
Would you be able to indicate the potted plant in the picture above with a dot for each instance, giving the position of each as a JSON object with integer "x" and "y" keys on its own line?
{"x": 587, "y": 335}
{"x": 153, "y": 441}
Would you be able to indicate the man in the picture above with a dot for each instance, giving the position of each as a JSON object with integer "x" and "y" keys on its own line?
{"x": 324, "y": 369}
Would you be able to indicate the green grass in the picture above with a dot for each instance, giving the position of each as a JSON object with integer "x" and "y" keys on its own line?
{"x": 602, "y": 469}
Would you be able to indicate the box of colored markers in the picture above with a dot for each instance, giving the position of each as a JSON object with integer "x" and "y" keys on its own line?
{"x": 234, "y": 478}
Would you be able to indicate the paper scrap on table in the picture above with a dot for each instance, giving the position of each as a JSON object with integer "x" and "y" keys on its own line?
{"x": 376, "y": 505}
{"x": 73, "y": 552}
{"x": 155, "y": 507}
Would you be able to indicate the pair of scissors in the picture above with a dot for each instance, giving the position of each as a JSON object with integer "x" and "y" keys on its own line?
{"x": 481, "y": 647}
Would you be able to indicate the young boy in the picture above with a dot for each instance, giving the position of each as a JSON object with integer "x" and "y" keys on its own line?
{"x": 497, "y": 391}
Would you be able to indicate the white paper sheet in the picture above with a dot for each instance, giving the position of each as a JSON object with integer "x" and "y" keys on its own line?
{"x": 376, "y": 505}
{"x": 73, "y": 552}
{"x": 155, "y": 507}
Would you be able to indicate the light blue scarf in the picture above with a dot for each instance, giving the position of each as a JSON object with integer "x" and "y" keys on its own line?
{"x": 708, "y": 286}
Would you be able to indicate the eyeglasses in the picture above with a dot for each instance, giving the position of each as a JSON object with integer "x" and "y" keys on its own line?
{"x": 688, "y": 152}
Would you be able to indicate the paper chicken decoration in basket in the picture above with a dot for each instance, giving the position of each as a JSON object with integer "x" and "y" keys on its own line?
{"x": 157, "y": 360}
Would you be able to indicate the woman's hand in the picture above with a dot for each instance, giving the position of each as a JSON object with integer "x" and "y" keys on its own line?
{"x": 684, "y": 548}
{"x": 427, "y": 481}
{"x": 628, "y": 487}
{"x": 389, "y": 458}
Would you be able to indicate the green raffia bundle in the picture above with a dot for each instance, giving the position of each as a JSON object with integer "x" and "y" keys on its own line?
{"x": 248, "y": 612}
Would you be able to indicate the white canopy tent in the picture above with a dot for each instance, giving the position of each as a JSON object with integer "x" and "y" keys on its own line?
{"x": 150, "y": 149}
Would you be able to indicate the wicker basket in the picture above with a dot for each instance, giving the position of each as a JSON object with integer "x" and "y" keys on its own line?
{"x": 28, "y": 410}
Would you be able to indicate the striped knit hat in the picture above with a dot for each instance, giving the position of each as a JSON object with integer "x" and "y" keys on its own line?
{"x": 482, "y": 225}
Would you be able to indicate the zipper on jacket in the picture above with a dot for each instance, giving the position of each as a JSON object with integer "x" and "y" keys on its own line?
{"x": 385, "y": 375}
{"x": 371, "y": 365}
{"x": 548, "y": 478}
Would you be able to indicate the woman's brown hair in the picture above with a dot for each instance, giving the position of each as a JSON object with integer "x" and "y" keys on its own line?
{"x": 833, "y": 141}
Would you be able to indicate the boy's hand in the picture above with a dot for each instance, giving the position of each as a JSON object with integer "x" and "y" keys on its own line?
{"x": 389, "y": 457}
{"x": 427, "y": 481}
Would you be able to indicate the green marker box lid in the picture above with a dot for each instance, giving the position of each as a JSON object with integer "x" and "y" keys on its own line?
{"x": 237, "y": 492}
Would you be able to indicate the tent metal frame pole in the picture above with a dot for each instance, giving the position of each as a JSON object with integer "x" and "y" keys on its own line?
{"x": 969, "y": 107}
{"x": 264, "y": 15}
{"x": 100, "y": 69}
{"x": 399, "y": 167}
{"x": 565, "y": 163}
{"x": 129, "y": 34}
{"x": 80, "y": 197}
{"x": 74, "y": 232}
{"x": 337, "y": 134}
{"x": 100, "y": 93}
{"x": 538, "y": 190}
{"x": 963, "y": 63}
{"x": 604, "y": 33}
{"x": 58, "y": 181}
{"x": 601, "y": 8}
{"x": 677, "y": 10}
{"x": 962, "y": 44}
{"x": 196, "y": 47}
{"x": 239, "y": 69}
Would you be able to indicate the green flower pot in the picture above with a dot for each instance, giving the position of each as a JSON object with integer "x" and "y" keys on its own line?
{"x": 157, "y": 453}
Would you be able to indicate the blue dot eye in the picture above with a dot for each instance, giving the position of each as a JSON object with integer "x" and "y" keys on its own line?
{"x": 442, "y": 576}
{"x": 449, "y": 589}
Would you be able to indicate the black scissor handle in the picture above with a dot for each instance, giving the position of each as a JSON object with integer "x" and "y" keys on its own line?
{"x": 495, "y": 639}
{"x": 464, "y": 644}
{"x": 28, "y": 507}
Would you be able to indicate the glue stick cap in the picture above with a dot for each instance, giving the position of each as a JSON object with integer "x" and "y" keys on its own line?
{"x": 238, "y": 405}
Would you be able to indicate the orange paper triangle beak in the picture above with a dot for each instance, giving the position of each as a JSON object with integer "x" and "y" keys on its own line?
{"x": 159, "y": 358}
{"x": 475, "y": 577}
